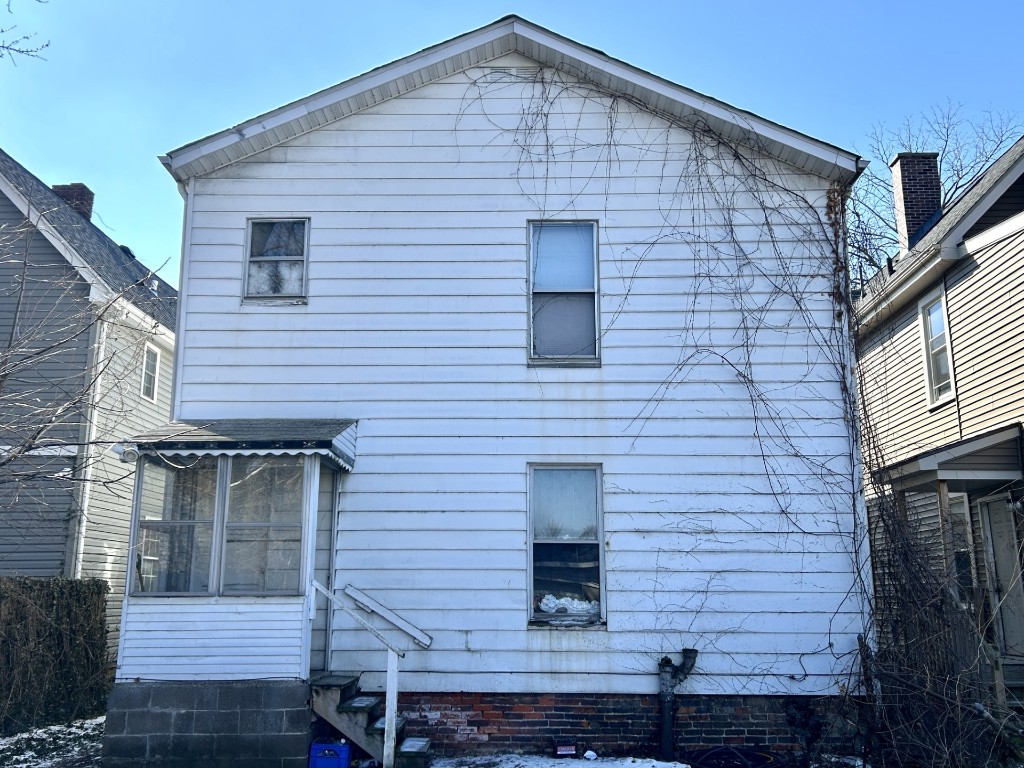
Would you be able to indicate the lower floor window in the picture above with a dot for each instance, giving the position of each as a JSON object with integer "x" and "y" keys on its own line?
{"x": 221, "y": 525}
{"x": 565, "y": 523}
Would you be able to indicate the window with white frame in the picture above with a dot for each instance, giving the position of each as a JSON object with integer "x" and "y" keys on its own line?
{"x": 221, "y": 525}
{"x": 563, "y": 290}
{"x": 276, "y": 258}
{"x": 150, "y": 372}
{"x": 962, "y": 540}
{"x": 938, "y": 368}
{"x": 566, "y": 559}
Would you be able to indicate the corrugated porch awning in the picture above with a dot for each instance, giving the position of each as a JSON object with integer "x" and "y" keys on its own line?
{"x": 334, "y": 439}
{"x": 967, "y": 465}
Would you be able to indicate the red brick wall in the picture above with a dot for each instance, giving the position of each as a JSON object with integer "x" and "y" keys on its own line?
{"x": 606, "y": 723}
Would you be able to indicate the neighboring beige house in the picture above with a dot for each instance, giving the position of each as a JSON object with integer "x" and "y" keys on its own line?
{"x": 87, "y": 346}
{"x": 941, "y": 347}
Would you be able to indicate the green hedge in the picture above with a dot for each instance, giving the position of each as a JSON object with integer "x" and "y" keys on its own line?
{"x": 53, "y": 651}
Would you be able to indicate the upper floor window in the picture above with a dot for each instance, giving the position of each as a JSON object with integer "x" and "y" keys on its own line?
{"x": 936, "y": 348}
{"x": 150, "y": 372}
{"x": 565, "y": 522}
{"x": 563, "y": 291}
{"x": 276, "y": 258}
{"x": 220, "y": 525}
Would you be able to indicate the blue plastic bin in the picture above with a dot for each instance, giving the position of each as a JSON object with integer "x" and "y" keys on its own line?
{"x": 328, "y": 754}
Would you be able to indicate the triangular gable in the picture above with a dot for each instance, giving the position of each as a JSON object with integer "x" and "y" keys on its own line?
{"x": 508, "y": 35}
{"x": 100, "y": 262}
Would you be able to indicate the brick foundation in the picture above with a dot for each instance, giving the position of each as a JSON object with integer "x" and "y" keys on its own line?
{"x": 250, "y": 724}
{"x": 613, "y": 724}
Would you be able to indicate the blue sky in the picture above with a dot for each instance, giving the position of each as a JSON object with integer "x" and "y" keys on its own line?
{"x": 127, "y": 80}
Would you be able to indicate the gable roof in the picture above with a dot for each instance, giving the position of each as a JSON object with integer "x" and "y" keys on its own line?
{"x": 885, "y": 293}
{"x": 507, "y": 35}
{"x": 100, "y": 261}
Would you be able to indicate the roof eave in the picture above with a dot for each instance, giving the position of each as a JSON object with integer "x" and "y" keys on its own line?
{"x": 507, "y": 35}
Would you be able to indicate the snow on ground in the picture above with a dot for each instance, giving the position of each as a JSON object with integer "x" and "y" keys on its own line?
{"x": 538, "y": 761}
{"x": 55, "y": 746}
{"x": 78, "y": 746}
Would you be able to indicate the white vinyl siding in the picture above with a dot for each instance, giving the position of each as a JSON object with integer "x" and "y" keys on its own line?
{"x": 416, "y": 322}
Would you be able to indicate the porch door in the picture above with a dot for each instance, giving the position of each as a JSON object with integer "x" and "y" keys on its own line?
{"x": 1007, "y": 591}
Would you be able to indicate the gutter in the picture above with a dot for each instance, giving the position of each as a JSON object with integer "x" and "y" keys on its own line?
{"x": 904, "y": 286}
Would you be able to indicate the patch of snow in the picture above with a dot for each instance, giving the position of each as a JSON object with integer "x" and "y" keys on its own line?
{"x": 540, "y": 761}
{"x": 52, "y": 745}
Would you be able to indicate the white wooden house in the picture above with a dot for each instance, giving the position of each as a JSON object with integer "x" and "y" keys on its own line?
{"x": 531, "y": 360}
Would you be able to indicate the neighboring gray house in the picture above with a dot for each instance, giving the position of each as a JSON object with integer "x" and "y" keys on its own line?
{"x": 941, "y": 348}
{"x": 86, "y": 348}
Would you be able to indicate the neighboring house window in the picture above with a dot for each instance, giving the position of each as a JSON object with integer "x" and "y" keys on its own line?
{"x": 227, "y": 525}
{"x": 563, "y": 290}
{"x": 565, "y": 525}
{"x": 276, "y": 258}
{"x": 936, "y": 348}
{"x": 150, "y": 372}
{"x": 963, "y": 548}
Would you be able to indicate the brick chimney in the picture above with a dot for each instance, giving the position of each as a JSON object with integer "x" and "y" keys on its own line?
{"x": 78, "y": 196}
{"x": 918, "y": 194}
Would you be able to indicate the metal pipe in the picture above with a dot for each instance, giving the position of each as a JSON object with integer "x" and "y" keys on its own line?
{"x": 670, "y": 675}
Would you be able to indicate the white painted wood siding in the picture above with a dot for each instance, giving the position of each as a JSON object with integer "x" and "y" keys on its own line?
{"x": 416, "y": 324}
{"x": 213, "y": 638}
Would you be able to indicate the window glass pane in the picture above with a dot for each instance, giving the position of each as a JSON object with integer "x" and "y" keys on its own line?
{"x": 262, "y": 559}
{"x": 173, "y": 557}
{"x": 176, "y": 526}
{"x": 275, "y": 278}
{"x": 564, "y": 504}
{"x": 563, "y": 324}
{"x": 563, "y": 257}
{"x": 184, "y": 493}
{"x": 281, "y": 240}
{"x": 149, "y": 369}
{"x": 266, "y": 489}
{"x": 566, "y": 580}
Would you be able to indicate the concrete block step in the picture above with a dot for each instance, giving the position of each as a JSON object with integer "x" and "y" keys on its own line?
{"x": 360, "y": 703}
{"x": 413, "y": 752}
{"x": 377, "y": 726}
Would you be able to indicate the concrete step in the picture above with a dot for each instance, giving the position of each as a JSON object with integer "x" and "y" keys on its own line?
{"x": 413, "y": 752}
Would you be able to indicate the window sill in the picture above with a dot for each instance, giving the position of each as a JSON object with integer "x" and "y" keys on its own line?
{"x": 563, "y": 362}
{"x": 569, "y": 623}
{"x": 268, "y": 301}
{"x": 938, "y": 404}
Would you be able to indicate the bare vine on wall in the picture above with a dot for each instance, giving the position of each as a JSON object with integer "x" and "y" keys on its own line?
{"x": 765, "y": 319}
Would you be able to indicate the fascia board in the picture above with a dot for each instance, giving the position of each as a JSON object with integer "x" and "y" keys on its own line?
{"x": 1012, "y": 226}
{"x": 713, "y": 108}
{"x": 902, "y": 289}
{"x": 361, "y": 83}
{"x": 99, "y": 291}
{"x": 847, "y": 164}
{"x": 954, "y": 239}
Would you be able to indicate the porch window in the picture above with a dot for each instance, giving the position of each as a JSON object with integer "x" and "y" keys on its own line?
{"x": 565, "y": 519}
{"x": 936, "y": 349}
{"x": 276, "y": 258}
{"x": 221, "y": 525}
{"x": 563, "y": 291}
{"x": 963, "y": 569}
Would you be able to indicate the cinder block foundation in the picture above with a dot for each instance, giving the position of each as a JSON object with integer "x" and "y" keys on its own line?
{"x": 249, "y": 724}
